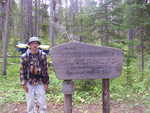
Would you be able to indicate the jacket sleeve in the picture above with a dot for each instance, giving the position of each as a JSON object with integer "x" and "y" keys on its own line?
{"x": 45, "y": 70}
{"x": 23, "y": 71}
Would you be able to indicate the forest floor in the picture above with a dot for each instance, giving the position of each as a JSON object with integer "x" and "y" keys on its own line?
{"x": 82, "y": 108}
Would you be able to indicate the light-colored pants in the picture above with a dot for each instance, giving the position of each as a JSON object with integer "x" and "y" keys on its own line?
{"x": 36, "y": 93}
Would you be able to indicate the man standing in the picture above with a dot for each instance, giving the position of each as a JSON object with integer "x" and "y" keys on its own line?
{"x": 34, "y": 75}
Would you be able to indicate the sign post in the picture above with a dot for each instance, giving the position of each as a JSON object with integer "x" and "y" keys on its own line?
{"x": 80, "y": 61}
{"x": 68, "y": 89}
{"x": 106, "y": 95}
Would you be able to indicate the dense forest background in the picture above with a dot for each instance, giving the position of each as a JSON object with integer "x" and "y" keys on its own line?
{"x": 123, "y": 24}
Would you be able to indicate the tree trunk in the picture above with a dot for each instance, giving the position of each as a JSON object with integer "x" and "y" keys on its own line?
{"x": 130, "y": 55}
{"x": 27, "y": 26}
{"x": 72, "y": 16}
{"x": 80, "y": 5}
{"x": 2, "y": 19}
{"x": 142, "y": 50}
{"x": 60, "y": 11}
{"x": 22, "y": 21}
{"x": 36, "y": 18}
{"x": 105, "y": 38}
{"x": 66, "y": 14}
{"x": 130, "y": 42}
{"x": 53, "y": 19}
{"x": 5, "y": 37}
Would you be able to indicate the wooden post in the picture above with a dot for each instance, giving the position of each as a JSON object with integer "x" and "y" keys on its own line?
{"x": 106, "y": 101}
{"x": 68, "y": 103}
{"x": 68, "y": 91}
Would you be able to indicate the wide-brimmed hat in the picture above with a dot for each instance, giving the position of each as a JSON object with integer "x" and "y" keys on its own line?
{"x": 34, "y": 39}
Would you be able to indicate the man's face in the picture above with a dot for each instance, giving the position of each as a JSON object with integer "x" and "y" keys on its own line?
{"x": 34, "y": 45}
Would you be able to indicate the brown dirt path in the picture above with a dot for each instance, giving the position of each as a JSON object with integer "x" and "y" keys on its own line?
{"x": 83, "y": 108}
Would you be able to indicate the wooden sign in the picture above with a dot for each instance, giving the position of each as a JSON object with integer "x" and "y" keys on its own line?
{"x": 77, "y": 61}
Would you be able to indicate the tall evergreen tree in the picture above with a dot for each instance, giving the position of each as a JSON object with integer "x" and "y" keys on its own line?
{"x": 5, "y": 35}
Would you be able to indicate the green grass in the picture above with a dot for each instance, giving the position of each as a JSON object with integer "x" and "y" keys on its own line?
{"x": 10, "y": 90}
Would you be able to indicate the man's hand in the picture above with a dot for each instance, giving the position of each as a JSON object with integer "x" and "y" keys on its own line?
{"x": 46, "y": 87}
{"x": 25, "y": 88}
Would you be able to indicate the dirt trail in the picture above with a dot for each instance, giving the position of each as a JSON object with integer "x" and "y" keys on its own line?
{"x": 84, "y": 108}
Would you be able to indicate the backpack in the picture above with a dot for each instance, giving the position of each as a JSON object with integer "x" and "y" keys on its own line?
{"x": 23, "y": 48}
